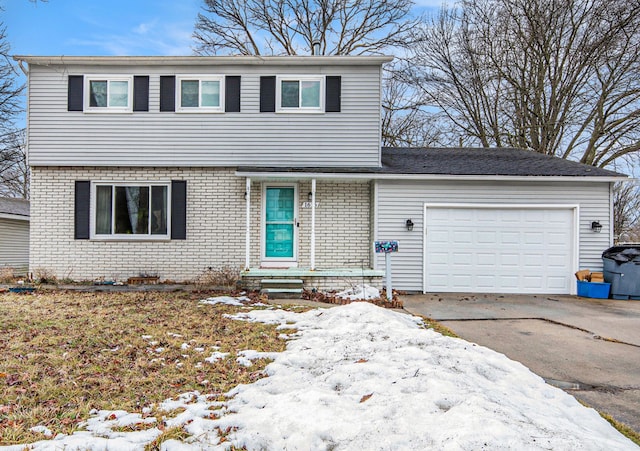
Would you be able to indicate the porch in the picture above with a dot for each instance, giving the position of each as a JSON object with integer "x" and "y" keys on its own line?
{"x": 319, "y": 279}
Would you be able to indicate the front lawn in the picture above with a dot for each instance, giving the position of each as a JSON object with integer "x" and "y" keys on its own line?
{"x": 66, "y": 353}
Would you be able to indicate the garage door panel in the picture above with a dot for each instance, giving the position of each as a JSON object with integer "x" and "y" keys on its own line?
{"x": 510, "y": 238}
{"x": 499, "y": 249}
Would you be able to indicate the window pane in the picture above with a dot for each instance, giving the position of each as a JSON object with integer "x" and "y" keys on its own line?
{"x": 132, "y": 210}
{"x": 189, "y": 93}
{"x": 119, "y": 93}
{"x": 210, "y": 93}
{"x": 290, "y": 94}
{"x": 158, "y": 210}
{"x": 103, "y": 210}
{"x": 98, "y": 93}
{"x": 310, "y": 94}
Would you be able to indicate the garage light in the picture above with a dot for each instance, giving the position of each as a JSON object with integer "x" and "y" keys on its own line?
{"x": 409, "y": 225}
{"x": 596, "y": 226}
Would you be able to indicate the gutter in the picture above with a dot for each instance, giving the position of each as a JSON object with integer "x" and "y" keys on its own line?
{"x": 244, "y": 60}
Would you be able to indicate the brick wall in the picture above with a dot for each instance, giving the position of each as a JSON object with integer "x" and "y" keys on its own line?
{"x": 215, "y": 226}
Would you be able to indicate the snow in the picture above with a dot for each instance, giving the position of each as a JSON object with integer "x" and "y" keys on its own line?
{"x": 363, "y": 377}
{"x": 359, "y": 292}
{"x": 227, "y": 300}
{"x": 215, "y": 356}
{"x": 246, "y": 358}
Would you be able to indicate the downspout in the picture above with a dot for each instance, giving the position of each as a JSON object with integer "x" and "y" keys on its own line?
{"x": 247, "y": 239}
{"x": 313, "y": 224}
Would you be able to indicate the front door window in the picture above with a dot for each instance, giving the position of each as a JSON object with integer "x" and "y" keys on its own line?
{"x": 280, "y": 222}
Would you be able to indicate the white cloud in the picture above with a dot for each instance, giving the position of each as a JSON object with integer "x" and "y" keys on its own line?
{"x": 150, "y": 38}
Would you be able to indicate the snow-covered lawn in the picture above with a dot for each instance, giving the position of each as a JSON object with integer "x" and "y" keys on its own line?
{"x": 360, "y": 377}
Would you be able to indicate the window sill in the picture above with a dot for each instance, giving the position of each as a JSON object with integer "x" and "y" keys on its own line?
{"x": 136, "y": 239}
{"x": 108, "y": 111}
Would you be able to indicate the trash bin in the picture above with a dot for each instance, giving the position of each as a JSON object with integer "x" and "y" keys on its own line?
{"x": 622, "y": 271}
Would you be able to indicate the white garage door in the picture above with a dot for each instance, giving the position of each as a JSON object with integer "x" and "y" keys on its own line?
{"x": 499, "y": 250}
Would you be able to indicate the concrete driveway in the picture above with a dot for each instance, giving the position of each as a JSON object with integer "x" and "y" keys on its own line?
{"x": 588, "y": 347}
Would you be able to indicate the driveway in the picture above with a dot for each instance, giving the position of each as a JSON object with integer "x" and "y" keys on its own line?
{"x": 588, "y": 347}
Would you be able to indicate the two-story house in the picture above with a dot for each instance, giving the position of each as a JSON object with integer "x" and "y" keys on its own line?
{"x": 172, "y": 165}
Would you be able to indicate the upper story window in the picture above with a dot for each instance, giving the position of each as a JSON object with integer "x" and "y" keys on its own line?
{"x": 198, "y": 93}
{"x": 300, "y": 94}
{"x": 108, "y": 93}
{"x": 131, "y": 210}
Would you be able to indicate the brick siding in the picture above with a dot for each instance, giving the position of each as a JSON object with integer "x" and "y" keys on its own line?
{"x": 215, "y": 226}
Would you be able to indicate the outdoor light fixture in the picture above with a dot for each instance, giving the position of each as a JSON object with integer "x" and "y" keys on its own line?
{"x": 409, "y": 225}
{"x": 245, "y": 195}
{"x": 596, "y": 226}
{"x": 310, "y": 196}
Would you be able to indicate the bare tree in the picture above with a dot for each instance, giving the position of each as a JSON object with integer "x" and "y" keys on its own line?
{"x": 405, "y": 123}
{"x": 559, "y": 77}
{"x": 14, "y": 169}
{"x": 626, "y": 211}
{"x": 289, "y": 27}
{"x": 10, "y": 90}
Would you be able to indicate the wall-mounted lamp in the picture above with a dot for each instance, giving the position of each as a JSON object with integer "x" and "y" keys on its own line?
{"x": 245, "y": 195}
{"x": 409, "y": 225}
{"x": 596, "y": 226}
{"x": 310, "y": 196}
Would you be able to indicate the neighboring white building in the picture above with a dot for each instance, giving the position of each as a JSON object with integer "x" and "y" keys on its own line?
{"x": 172, "y": 165}
{"x": 14, "y": 234}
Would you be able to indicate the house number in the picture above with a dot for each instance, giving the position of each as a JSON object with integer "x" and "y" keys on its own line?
{"x": 309, "y": 204}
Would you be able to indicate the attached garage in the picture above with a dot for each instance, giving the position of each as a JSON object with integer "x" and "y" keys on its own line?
{"x": 491, "y": 220}
{"x": 499, "y": 248}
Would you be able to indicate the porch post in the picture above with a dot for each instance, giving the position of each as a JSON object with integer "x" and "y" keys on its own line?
{"x": 313, "y": 224}
{"x": 247, "y": 239}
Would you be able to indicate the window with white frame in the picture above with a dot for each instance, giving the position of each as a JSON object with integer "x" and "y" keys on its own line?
{"x": 108, "y": 93}
{"x": 303, "y": 94}
{"x": 198, "y": 93}
{"x": 136, "y": 211}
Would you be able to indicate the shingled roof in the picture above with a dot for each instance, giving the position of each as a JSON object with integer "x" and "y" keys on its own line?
{"x": 506, "y": 162}
{"x": 18, "y": 207}
{"x": 483, "y": 161}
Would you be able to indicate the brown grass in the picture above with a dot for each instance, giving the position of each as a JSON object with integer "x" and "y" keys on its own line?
{"x": 65, "y": 353}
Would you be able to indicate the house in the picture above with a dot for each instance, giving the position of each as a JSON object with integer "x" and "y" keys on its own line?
{"x": 14, "y": 235}
{"x": 172, "y": 165}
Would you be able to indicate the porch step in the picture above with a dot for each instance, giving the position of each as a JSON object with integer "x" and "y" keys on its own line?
{"x": 279, "y": 282}
{"x": 281, "y": 288}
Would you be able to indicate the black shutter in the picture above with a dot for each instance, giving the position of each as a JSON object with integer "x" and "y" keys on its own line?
{"x": 141, "y": 93}
{"x": 81, "y": 210}
{"x": 75, "y": 99}
{"x": 333, "y": 93}
{"x": 267, "y": 94}
{"x": 167, "y": 93}
{"x": 232, "y": 94}
{"x": 178, "y": 210}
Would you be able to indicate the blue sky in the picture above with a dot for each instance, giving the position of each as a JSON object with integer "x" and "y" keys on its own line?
{"x": 100, "y": 27}
{"x": 107, "y": 27}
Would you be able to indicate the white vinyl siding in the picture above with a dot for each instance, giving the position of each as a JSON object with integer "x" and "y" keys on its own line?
{"x": 63, "y": 138}
{"x": 402, "y": 200}
{"x": 14, "y": 244}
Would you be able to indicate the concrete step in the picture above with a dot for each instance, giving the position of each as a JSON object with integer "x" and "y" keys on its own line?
{"x": 282, "y": 293}
{"x": 279, "y": 282}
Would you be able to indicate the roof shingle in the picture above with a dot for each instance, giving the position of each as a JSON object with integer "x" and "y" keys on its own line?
{"x": 11, "y": 206}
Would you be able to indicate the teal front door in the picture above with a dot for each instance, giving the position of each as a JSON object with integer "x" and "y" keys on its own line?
{"x": 280, "y": 223}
